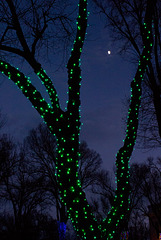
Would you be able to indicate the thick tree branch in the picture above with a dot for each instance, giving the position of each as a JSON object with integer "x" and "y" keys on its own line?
{"x": 68, "y": 143}
{"x": 17, "y": 26}
{"x": 12, "y": 50}
{"x": 120, "y": 206}
{"x": 24, "y": 84}
{"x": 40, "y": 72}
{"x": 5, "y": 32}
{"x": 29, "y": 56}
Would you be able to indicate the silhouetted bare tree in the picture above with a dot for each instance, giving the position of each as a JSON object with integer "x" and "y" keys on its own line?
{"x": 145, "y": 196}
{"x": 2, "y": 120}
{"x": 124, "y": 20}
{"x": 21, "y": 188}
{"x": 33, "y": 28}
{"x": 8, "y": 157}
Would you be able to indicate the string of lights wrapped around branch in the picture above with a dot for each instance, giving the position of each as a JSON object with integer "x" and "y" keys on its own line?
{"x": 46, "y": 111}
{"x": 73, "y": 197}
{"x": 121, "y": 201}
{"x": 66, "y": 127}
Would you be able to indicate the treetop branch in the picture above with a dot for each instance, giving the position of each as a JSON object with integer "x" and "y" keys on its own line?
{"x": 73, "y": 66}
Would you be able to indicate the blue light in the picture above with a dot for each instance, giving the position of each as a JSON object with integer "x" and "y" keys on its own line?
{"x": 61, "y": 230}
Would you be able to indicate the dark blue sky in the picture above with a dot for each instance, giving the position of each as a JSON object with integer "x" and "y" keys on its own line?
{"x": 105, "y": 84}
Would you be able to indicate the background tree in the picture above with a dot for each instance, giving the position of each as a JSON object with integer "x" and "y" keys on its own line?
{"x": 152, "y": 191}
{"x": 66, "y": 125}
{"x": 40, "y": 146}
{"x": 8, "y": 157}
{"x": 104, "y": 189}
{"x": 37, "y": 226}
{"x": 144, "y": 199}
{"x": 124, "y": 20}
{"x": 2, "y": 120}
{"x": 20, "y": 189}
{"x": 48, "y": 27}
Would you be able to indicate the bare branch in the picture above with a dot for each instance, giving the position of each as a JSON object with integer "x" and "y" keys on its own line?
{"x": 17, "y": 26}
{"x": 5, "y": 32}
{"x": 12, "y": 50}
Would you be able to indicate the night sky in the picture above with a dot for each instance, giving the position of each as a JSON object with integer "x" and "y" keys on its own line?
{"x": 105, "y": 85}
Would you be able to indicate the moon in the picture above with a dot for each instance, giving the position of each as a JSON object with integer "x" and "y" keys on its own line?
{"x": 109, "y": 52}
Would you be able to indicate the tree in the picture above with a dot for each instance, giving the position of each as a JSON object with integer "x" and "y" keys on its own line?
{"x": 36, "y": 226}
{"x": 137, "y": 221}
{"x": 124, "y": 19}
{"x": 40, "y": 146}
{"x": 2, "y": 120}
{"x": 48, "y": 25}
{"x": 105, "y": 192}
{"x": 8, "y": 157}
{"x": 152, "y": 191}
{"x": 19, "y": 187}
{"x": 145, "y": 185}
{"x": 65, "y": 125}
